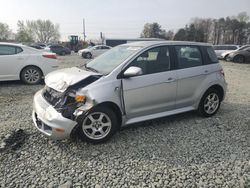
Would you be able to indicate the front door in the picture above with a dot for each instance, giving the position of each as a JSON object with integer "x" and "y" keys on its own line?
{"x": 155, "y": 90}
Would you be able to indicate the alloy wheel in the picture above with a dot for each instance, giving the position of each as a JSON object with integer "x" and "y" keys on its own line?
{"x": 96, "y": 125}
{"x": 31, "y": 75}
{"x": 211, "y": 103}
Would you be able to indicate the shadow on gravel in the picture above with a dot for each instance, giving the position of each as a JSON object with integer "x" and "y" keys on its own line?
{"x": 15, "y": 83}
{"x": 163, "y": 120}
{"x": 14, "y": 140}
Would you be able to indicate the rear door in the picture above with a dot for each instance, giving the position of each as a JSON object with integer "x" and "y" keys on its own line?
{"x": 155, "y": 90}
{"x": 191, "y": 74}
{"x": 11, "y": 59}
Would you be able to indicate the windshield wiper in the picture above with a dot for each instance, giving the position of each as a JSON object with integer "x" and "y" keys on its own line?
{"x": 91, "y": 69}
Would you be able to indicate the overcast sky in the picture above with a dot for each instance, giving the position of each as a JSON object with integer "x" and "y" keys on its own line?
{"x": 116, "y": 18}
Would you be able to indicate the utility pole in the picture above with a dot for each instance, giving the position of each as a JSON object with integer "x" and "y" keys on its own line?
{"x": 84, "y": 34}
{"x": 101, "y": 36}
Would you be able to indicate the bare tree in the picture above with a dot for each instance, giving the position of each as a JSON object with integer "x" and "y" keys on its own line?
{"x": 5, "y": 32}
{"x": 38, "y": 30}
{"x": 44, "y": 30}
{"x": 24, "y": 34}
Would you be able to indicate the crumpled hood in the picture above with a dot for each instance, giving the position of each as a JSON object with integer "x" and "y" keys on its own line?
{"x": 61, "y": 79}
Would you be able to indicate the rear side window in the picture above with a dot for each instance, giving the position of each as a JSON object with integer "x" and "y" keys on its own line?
{"x": 232, "y": 48}
{"x": 18, "y": 50}
{"x": 211, "y": 55}
{"x": 9, "y": 50}
{"x": 188, "y": 56}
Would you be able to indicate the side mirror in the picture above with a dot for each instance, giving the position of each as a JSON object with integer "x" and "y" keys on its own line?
{"x": 132, "y": 71}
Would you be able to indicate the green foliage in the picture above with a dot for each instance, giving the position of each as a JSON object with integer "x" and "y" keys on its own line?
{"x": 153, "y": 30}
{"x": 229, "y": 30}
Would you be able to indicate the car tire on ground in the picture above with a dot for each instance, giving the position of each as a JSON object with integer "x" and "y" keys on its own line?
{"x": 31, "y": 75}
{"x": 98, "y": 125}
{"x": 239, "y": 59}
{"x": 63, "y": 53}
{"x": 88, "y": 55}
{"x": 210, "y": 103}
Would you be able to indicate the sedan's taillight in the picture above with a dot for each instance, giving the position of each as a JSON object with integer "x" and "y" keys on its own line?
{"x": 51, "y": 56}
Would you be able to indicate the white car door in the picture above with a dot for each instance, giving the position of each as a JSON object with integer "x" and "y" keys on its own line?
{"x": 96, "y": 51}
{"x": 10, "y": 58}
{"x": 155, "y": 90}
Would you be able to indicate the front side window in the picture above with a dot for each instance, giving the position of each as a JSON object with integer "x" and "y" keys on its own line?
{"x": 188, "y": 56}
{"x": 154, "y": 60}
{"x": 7, "y": 50}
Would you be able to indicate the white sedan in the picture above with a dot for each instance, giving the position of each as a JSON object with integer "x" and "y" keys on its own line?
{"x": 19, "y": 62}
{"x": 93, "y": 51}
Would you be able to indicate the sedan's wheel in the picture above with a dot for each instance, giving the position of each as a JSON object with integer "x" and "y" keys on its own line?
{"x": 210, "y": 103}
{"x": 88, "y": 55}
{"x": 31, "y": 75}
{"x": 239, "y": 59}
{"x": 99, "y": 125}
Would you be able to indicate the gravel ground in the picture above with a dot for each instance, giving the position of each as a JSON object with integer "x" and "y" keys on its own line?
{"x": 184, "y": 150}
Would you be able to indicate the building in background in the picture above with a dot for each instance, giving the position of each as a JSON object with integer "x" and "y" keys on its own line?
{"x": 117, "y": 41}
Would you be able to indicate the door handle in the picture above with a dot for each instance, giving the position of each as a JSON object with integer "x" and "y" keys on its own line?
{"x": 206, "y": 72}
{"x": 170, "y": 80}
{"x": 20, "y": 58}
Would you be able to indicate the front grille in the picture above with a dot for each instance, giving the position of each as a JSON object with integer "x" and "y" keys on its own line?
{"x": 51, "y": 96}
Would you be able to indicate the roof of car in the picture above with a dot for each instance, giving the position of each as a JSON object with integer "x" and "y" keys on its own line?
{"x": 9, "y": 43}
{"x": 152, "y": 43}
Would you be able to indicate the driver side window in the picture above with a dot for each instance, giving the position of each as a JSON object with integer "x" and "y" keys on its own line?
{"x": 153, "y": 61}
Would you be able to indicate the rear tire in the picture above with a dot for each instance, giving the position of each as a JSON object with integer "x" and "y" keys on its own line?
{"x": 210, "y": 103}
{"x": 98, "y": 125}
{"x": 31, "y": 75}
{"x": 239, "y": 59}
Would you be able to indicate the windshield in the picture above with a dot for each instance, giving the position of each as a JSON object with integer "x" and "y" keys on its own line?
{"x": 108, "y": 61}
{"x": 243, "y": 48}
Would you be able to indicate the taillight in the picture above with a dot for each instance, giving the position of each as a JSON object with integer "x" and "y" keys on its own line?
{"x": 51, "y": 56}
{"x": 222, "y": 72}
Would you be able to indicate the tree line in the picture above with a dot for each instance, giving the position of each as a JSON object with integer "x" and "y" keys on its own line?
{"x": 43, "y": 31}
{"x": 229, "y": 30}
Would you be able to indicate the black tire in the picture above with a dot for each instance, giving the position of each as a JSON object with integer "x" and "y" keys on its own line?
{"x": 31, "y": 75}
{"x": 239, "y": 59}
{"x": 203, "y": 110}
{"x": 63, "y": 53}
{"x": 88, "y": 55}
{"x": 108, "y": 116}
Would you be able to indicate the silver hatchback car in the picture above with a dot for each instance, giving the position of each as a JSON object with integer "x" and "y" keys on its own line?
{"x": 130, "y": 83}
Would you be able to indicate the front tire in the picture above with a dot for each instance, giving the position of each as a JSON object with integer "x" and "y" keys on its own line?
{"x": 31, "y": 75}
{"x": 210, "y": 103}
{"x": 88, "y": 55}
{"x": 239, "y": 59}
{"x": 98, "y": 125}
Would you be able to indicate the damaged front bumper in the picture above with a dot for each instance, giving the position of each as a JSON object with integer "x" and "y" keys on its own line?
{"x": 49, "y": 121}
